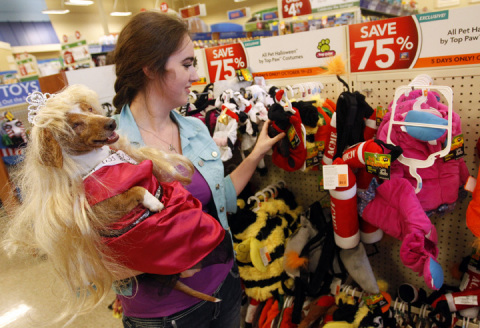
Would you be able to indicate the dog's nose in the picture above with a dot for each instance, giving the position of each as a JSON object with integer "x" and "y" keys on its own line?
{"x": 111, "y": 125}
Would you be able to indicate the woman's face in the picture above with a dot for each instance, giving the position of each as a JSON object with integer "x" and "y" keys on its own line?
{"x": 180, "y": 74}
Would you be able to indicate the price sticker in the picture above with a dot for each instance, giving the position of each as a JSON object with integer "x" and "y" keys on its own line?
{"x": 224, "y": 61}
{"x": 383, "y": 45}
{"x": 164, "y": 7}
{"x": 466, "y": 300}
{"x": 292, "y": 8}
{"x": 335, "y": 176}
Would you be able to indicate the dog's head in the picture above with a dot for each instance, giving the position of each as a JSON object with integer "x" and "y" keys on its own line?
{"x": 71, "y": 122}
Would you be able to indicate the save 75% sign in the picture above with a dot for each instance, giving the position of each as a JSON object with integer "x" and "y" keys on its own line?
{"x": 383, "y": 45}
{"x": 223, "y": 61}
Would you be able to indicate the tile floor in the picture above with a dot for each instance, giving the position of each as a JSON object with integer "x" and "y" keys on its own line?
{"x": 26, "y": 291}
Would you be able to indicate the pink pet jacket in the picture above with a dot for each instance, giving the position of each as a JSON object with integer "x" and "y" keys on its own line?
{"x": 441, "y": 181}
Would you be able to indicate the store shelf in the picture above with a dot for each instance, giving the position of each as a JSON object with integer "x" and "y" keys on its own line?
{"x": 36, "y": 49}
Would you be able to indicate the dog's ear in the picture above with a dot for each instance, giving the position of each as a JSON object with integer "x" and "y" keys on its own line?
{"x": 50, "y": 151}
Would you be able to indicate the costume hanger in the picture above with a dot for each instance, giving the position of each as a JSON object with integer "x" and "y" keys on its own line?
{"x": 262, "y": 196}
{"x": 419, "y": 80}
{"x": 290, "y": 90}
{"x": 301, "y": 89}
{"x": 271, "y": 190}
{"x": 412, "y": 163}
{"x": 256, "y": 206}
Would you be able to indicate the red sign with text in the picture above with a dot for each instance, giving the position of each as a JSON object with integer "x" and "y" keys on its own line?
{"x": 164, "y": 7}
{"x": 191, "y": 11}
{"x": 383, "y": 45}
{"x": 292, "y": 8}
{"x": 223, "y": 61}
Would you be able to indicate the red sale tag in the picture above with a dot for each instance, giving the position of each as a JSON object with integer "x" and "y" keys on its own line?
{"x": 164, "y": 7}
{"x": 296, "y": 8}
{"x": 383, "y": 45}
{"x": 223, "y": 61}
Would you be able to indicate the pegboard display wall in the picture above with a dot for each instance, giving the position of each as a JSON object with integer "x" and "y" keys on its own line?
{"x": 454, "y": 237}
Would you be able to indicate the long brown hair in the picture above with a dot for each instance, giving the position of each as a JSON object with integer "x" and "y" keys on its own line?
{"x": 147, "y": 40}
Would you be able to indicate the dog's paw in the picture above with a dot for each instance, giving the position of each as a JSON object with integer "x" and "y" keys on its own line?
{"x": 152, "y": 203}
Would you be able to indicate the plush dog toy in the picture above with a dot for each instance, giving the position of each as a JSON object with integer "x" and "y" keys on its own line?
{"x": 100, "y": 208}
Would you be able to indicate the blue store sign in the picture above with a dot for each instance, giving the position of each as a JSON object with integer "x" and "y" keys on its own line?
{"x": 16, "y": 93}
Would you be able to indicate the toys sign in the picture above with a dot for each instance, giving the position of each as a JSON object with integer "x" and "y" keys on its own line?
{"x": 292, "y": 8}
{"x": 383, "y": 45}
{"x": 16, "y": 93}
{"x": 223, "y": 61}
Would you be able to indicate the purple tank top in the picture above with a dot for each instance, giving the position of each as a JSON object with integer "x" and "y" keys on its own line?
{"x": 143, "y": 300}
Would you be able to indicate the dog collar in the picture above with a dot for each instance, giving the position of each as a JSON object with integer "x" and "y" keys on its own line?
{"x": 115, "y": 157}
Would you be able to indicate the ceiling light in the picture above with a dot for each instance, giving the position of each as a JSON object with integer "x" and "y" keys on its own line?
{"x": 120, "y": 13}
{"x": 60, "y": 11}
{"x": 79, "y": 3}
{"x": 55, "y": 11}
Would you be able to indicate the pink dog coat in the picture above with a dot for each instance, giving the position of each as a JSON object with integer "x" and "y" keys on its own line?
{"x": 442, "y": 180}
{"x": 396, "y": 210}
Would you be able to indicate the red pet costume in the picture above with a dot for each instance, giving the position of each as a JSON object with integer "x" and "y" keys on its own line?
{"x": 146, "y": 241}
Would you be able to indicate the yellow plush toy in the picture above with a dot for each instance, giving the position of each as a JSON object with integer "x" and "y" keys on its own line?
{"x": 259, "y": 237}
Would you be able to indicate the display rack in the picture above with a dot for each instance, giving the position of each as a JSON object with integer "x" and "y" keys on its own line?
{"x": 454, "y": 237}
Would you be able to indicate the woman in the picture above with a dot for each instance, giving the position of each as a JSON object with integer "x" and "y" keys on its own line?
{"x": 154, "y": 60}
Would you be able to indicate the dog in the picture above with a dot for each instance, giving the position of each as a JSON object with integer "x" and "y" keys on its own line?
{"x": 94, "y": 225}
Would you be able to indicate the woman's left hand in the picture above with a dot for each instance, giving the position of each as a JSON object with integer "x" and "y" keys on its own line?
{"x": 265, "y": 142}
{"x": 242, "y": 174}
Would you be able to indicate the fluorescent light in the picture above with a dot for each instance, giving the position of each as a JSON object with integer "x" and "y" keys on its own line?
{"x": 239, "y": 0}
{"x": 120, "y": 13}
{"x": 56, "y": 11}
{"x": 79, "y": 3}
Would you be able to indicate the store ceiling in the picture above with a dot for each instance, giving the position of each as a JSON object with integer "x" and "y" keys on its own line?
{"x": 30, "y": 10}
{"x": 132, "y": 5}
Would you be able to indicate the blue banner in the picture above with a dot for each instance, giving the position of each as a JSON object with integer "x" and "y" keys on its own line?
{"x": 262, "y": 33}
{"x": 239, "y": 13}
{"x": 16, "y": 93}
{"x": 201, "y": 36}
{"x": 228, "y": 35}
{"x": 269, "y": 16}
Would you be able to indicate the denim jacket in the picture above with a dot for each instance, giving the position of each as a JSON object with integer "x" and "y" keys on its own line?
{"x": 199, "y": 147}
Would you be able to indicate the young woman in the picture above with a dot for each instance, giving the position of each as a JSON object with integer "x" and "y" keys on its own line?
{"x": 154, "y": 60}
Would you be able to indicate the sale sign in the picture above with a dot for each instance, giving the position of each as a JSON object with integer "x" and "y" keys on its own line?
{"x": 383, "y": 45}
{"x": 200, "y": 66}
{"x": 223, "y": 61}
{"x": 292, "y": 8}
{"x": 438, "y": 39}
